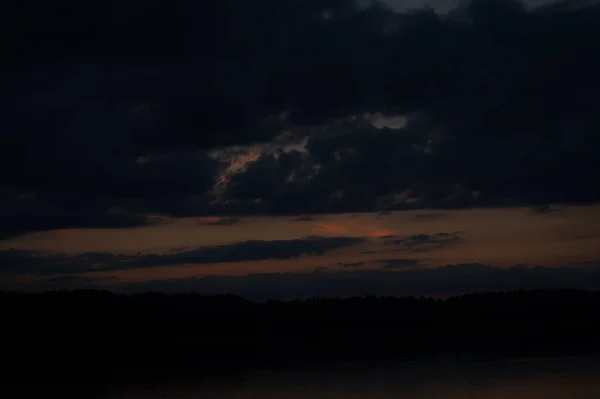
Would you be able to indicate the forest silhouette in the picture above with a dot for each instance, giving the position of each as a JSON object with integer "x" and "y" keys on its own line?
{"x": 86, "y": 332}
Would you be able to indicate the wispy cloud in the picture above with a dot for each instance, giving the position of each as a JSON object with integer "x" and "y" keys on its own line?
{"x": 425, "y": 242}
{"x": 351, "y": 264}
{"x": 226, "y": 221}
{"x": 15, "y": 262}
{"x": 449, "y": 280}
{"x": 398, "y": 263}
{"x": 305, "y": 219}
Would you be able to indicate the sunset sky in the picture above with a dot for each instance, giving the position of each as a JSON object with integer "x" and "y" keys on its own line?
{"x": 302, "y": 148}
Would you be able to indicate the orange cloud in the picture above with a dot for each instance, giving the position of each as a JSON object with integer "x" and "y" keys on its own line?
{"x": 237, "y": 164}
{"x": 380, "y": 233}
{"x": 242, "y": 160}
{"x": 352, "y": 227}
{"x": 330, "y": 228}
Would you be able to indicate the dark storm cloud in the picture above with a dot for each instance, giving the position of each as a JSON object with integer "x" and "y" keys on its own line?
{"x": 485, "y": 89}
{"x": 120, "y": 105}
{"x": 57, "y": 192}
{"x": 30, "y": 212}
{"x": 449, "y": 280}
{"x": 15, "y": 262}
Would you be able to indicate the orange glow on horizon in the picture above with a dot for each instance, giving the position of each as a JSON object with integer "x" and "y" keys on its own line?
{"x": 330, "y": 228}
{"x": 499, "y": 237}
{"x": 350, "y": 227}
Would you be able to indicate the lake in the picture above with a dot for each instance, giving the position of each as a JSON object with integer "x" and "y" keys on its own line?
{"x": 523, "y": 378}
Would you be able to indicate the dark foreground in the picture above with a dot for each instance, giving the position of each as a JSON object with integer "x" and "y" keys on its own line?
{"x": 89, "y": 332}
{"x": 521, "y": 378}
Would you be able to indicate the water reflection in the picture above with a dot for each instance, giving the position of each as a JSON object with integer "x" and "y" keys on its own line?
{"x": 566, "y": 378}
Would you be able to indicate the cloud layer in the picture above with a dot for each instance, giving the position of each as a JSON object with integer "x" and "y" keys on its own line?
{"x": 18, "y": 262}
{"x": 449, "y": 280}
{"x": 184, "y": 108}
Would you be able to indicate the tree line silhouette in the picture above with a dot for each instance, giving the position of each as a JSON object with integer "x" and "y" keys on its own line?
{"x": 99, "y": 331}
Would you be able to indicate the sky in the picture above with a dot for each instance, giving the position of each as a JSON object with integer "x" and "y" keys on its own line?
{"x": 292, "y": 149}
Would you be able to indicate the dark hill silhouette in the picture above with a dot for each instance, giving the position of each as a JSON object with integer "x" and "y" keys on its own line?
{"x": 93, "y": 332}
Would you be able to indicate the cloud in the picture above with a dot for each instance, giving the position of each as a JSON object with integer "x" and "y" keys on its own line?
{"x": 449, "y": 280}
{"x": 74, "y": 193}
{"x": 543, "y": 209}
{"x": 21, "y": 262}
{"x": 66, "y": 282}
{"x": 429, "y": 216}
{"x": 17, "y": 262}
{"x": 226, "y": 221}
{"x": 387, "y": 237}
{"x": 425, "y": 242}
{"x": 22, "y": 214}
{"x": 456, "y": 153}
{"x": 242, "y": 251}
{"x": 351, "y": 264}
{"x": 305, "y": 219}
{"x": 394, "y": 110}
{"x": 398, "y": 263}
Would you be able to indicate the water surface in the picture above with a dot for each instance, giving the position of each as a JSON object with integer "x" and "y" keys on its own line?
{"x": 525, "y": 378}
